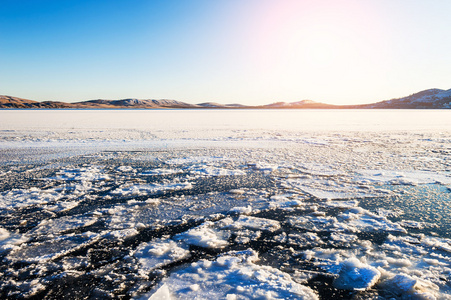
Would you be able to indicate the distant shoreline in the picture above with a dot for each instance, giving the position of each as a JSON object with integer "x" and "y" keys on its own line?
{"x": 427, "y": 99}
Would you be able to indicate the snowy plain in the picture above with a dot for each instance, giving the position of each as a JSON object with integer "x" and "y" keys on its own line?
{"x": 225, "y": 204}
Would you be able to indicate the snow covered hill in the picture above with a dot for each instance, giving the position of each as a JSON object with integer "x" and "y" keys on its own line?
{"x": 432, "y": 98}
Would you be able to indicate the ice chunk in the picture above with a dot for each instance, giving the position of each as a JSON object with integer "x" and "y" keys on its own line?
{"x": 125, "y": 168}
{"x": 62, "y": 206}
{"x": 93, "y": 173}
{"x": 60, "y": 225}
{"x": 415, "y": 224}
{"x": 331, "y": 189}
{"x": 149, "y": 189}
{"x": 121, "y": 235}
{"x": 244, "y": 236}
{"x": 25, "y": 197}
{"x": 237, "y": 192}
{"x": 241, "y": 210}
{"x": 48, "y": 250}
{"x": 362, "y": 219}
{"x": 355, "y": 275}
{"x": 335, "y": 193}
{"x": 214, "y": 171}
{"x": 160, "y": 252}
{"x": 342, "y": 238}
{"x": 255, "y": 223}
{"x": 409, "y": 287}
{"x": 405, "y": 177}
{"x": 389, "y": 212}
{"x": 321, "y": 170}
{"x": 284, "y": 203}
{"x": 262, "y": 166}
{"x": 342, "y": 204}
{"x": 4, "y": 234}
{"x": 9, "y": 240}
{"x": 438, "y": 243}
{"x": 161, "y": 172}
{"x": 205, "y": 235}
{"x": 315, "y": 223}
{"x": 161, "y": 294}
{"x": 196, "y": 159}
{"x": 306, "y": 239}
{"x": 235, "y": 275}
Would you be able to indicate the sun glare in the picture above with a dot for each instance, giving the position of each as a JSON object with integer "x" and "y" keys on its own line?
{"x": 305, "y": 42}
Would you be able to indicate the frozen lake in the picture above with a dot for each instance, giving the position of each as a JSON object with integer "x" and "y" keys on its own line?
{"x": 225, "y": 204}
{"x": 204, "y": 120}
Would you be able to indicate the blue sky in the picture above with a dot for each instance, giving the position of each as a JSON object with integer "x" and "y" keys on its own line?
{"x": 227, "y": 51}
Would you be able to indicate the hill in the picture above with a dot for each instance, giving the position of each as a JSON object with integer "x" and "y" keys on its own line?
{"x": 428, "y": 99}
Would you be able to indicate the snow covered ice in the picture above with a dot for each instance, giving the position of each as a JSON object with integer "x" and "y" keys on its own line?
{"x": 232, "y": 210}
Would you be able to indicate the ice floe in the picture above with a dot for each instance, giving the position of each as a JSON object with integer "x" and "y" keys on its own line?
{"x": 38, "y": 252}
{"x": 355, "y": 275}
{"x": 17, "y": 198}
{"x": 360, "y": 219}
{"x": 407, "y": 287}
{"x": 405, "y": 177}
{"x": 214, "y": 171}
{"x": 150, "y": 189}
{"x": 92, "y": 173}
{"x": 161, "y": 172}
{"x": 234, "y": 275}
{"x": 254, "y": 223}
{"x": 160, "y": 252}
{"x": 207, "y": 235}
{"x": 52, "y": 227}
{"x": 10, "y": 240}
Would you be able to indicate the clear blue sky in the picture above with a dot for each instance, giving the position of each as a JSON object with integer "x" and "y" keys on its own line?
{"x": 227, "y": 51}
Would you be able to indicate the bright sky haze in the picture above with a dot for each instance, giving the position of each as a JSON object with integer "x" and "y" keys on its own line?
{"x": 227, "y": 51}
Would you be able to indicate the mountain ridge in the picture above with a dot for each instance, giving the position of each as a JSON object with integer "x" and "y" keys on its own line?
{"x": 426, "y": 99}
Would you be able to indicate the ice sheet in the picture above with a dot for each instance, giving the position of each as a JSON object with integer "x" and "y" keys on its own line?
{"x": 156, "y": 210}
